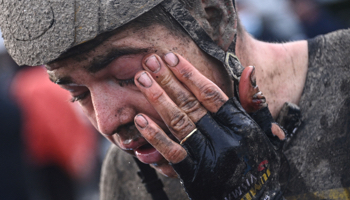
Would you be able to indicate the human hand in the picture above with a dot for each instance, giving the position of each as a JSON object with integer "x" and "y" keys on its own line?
{"x": 226, "y": 154}
{"x": 254, "y": 103}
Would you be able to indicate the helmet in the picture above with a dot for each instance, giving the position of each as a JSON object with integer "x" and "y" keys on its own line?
{"x": 39, "y": 31}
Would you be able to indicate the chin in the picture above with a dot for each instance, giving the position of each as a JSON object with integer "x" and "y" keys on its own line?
{"x": 165, "y": 169}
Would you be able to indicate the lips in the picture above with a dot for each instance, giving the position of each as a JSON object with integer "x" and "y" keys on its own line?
{"x": 148, "y": 154}
{"x": 129, "y": 139}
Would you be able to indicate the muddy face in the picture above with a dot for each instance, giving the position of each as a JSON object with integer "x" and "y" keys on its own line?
{"x": 102, "y": 82}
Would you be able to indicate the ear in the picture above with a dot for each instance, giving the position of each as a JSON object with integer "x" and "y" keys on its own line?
{"x": 218, "y": 18}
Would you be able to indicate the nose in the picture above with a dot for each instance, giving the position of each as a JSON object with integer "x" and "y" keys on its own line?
{"x": 128, "y": 137}
{"x": 111, "y": 110}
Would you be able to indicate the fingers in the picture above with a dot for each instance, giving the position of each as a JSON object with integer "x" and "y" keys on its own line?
{"x": 170, "y": 150}
{"x": 205, "y": 91}
{"x": 183, "y": 98}
{"x": 249, "y": 94}
{"x": 258, "y": 101}
{"x": 176, "y": 119}
{"x": 277, "y": 131}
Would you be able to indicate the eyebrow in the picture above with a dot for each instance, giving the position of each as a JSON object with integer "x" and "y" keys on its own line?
{"x": 98, "y": 63}
{"x": 60, "y": 81}
{"x": 101, "y": 62}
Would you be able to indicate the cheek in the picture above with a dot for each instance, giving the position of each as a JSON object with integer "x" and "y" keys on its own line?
{"x": 121, "y": 100}
{"x": 88, "y": 111}
{"x": 153, "y": 114}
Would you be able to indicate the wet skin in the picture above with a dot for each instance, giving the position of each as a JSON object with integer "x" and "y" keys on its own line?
{"x": 111, "y": 100}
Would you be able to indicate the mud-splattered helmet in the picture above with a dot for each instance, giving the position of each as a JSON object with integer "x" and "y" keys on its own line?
{"x": 39, "y": 31}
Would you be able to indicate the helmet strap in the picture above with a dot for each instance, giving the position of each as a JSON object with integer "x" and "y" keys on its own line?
{"x": 230, "y": 61}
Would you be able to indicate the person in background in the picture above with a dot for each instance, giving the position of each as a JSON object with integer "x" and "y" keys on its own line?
{"x": 270, "y": 20}
{"x": 315, "y": 19}
{"x": 12, "y": 168}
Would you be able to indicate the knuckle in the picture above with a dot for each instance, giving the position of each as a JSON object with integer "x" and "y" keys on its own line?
{"x": 166, "y": 80}
{"x": 179, "y": 123}
{"x": 210, "y": 93}
{"x": 175, "y": 154}
{"x": 190, "y": 105}
{"x": 151, "y": 133}
{"x": 156, "y": 96}
{"x": 186, "y": 73}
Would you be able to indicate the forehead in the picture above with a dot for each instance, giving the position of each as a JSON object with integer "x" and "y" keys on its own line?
{"x": 155, "y": 38}
{"x": 124, "y": 40}
{"x": 84, "y": 52}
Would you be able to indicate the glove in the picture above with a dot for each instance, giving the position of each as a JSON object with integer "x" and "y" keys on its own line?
{"x": 224, "y": 155}
{"x": 264, "y": 119}
{"x": 229, "y": 157}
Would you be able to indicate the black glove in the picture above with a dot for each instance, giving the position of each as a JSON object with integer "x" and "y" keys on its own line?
{"x": 264, "y": 119}
{"x": 229, "y": 157}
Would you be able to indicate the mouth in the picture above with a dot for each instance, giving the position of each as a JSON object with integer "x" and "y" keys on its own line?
{"x": 148, "y": 154}
{"x": 140, "y": 148}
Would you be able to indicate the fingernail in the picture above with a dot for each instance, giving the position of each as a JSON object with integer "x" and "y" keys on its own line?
{"x": 145, "y": 80}
{"x": 171, "y": 59}
{"x": 255, "y": 96}
{"x": 152, "y": 64}
{"x": 141, "y": 121}
{"x": 253, "y": 78}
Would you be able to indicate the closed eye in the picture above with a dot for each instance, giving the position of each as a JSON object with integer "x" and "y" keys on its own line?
{"x": 84, "y": 95}
{"x": 126, "y": 82}
{"x": 80, "y": 97}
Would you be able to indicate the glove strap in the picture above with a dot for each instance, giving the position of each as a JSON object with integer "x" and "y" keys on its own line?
{"x": 228, "y": 58}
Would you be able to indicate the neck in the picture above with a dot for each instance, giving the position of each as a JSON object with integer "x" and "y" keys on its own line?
{"x": 280, "y": 68}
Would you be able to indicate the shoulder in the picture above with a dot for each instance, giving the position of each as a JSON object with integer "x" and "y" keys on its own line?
{"x": 334, "y": 47}
{"x": 119, "y": 179}
{"x": 332, "y": 37}
{"x": 321, "y": 143}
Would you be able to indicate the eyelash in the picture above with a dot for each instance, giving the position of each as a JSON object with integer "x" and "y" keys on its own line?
{"x": 79, "y": 97}
{"x": 126, "y": 82}
{"x": 122, "y": 83}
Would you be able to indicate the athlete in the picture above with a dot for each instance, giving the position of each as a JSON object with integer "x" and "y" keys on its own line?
{"x": 160, "y": 79}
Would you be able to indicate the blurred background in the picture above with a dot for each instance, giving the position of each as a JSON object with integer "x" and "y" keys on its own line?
{"x": 48, "y": 149}
{"x": 286, "y": 20}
